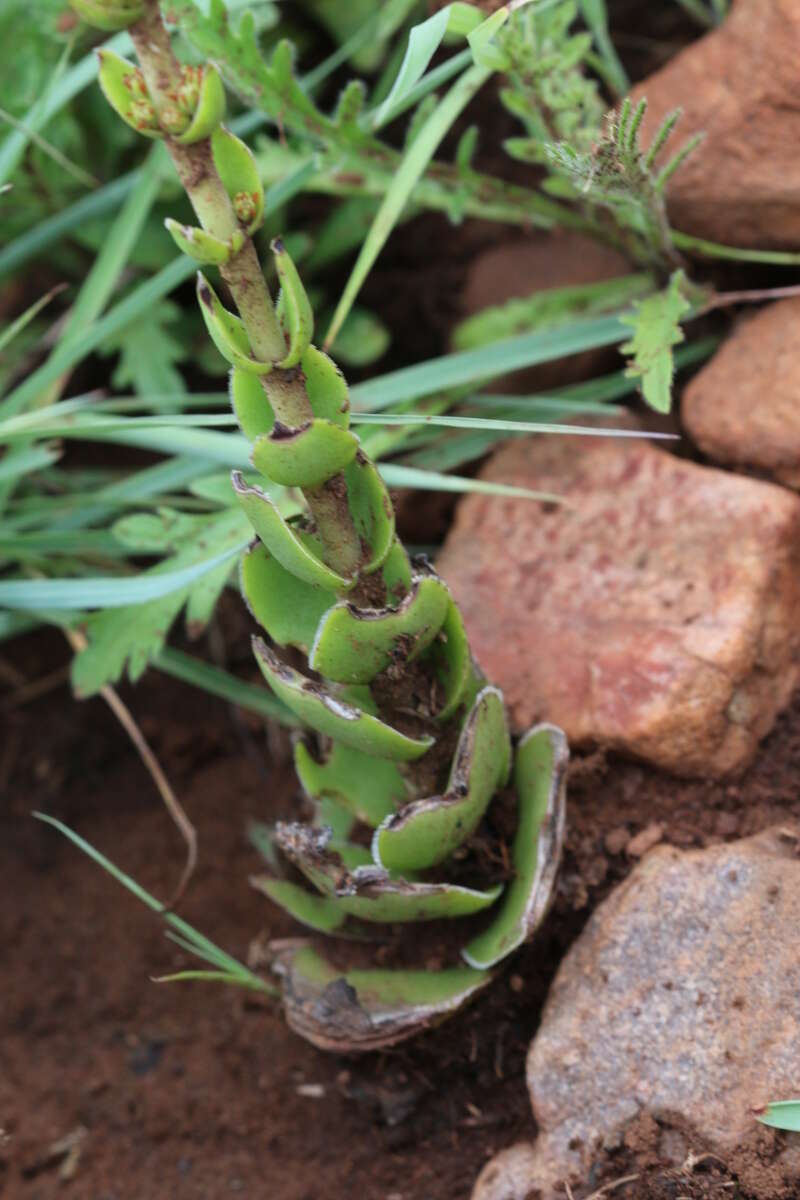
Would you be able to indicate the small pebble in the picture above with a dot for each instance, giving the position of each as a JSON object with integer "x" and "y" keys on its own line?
{"x": 616, "y": 840}
{"x": 645, "y": 840}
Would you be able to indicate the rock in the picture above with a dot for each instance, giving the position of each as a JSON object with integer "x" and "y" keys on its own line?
{"x": 656, "y": 614}
{"x": 540, "y": 263}
{"x": 743, "y": 407}
{"x": 739, "y": 86}
{"x": 679, "y": 1004}
{"x": 508, "y": 1175}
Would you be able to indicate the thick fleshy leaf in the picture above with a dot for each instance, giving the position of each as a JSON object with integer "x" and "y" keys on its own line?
{"x": 378, "y": 897}
{"x": 366, "y": 1010}
{"x": 326, "y": 387}
{"x": 306, "y": 457}
{"x": 239, "y": 174}
{"x": 210, "y": 109}
{"x": 250, "y": 404}
{"x": 287, "y": 607}
{"x": 325, "y": 712}
{"x": 315, "y": 912}
{"x": 124, "y": 88}
{"x": 367, "y": 892}
{"x": 427, "y": 831}
{"x": 298, "y": 552}
{"x": 540, "y": 770}
{"x": 452, "y": 661}
{"x": 371, "y": 508}
{"x": 396, "y": 572}
{"x": 334, "y": 816}
{"x": 294, "y": 309}
{"x": 227, "y": 331}
{"x": 368, "y": 788}
{"x": 203, "y": 247}
{"x": 353, "y": 645}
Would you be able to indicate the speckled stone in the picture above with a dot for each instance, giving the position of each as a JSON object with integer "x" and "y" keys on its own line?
{"x": 681, "y": 998}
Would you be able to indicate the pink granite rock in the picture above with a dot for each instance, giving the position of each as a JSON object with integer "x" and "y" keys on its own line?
{"x": 739, "y": 86}
{"x": 656, "y": 613}
{"x": 678, "y": 1002}
{"x": 743, "y": 407}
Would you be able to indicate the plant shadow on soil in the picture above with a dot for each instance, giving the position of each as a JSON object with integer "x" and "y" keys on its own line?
{"x": 190, "y": 1090}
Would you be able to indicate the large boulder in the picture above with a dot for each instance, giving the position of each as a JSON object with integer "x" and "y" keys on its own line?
{"x": 738, "y": 85}
{"x": 743, "y": 407}
{"x": 656, "y": 612}
{"x": 679, "y": 1003}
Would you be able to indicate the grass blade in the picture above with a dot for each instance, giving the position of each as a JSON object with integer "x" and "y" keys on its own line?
{"x": 17, "y": 326}
{"x": 71, "y": 82}
{"x": 119, "y": 242}
{"x": 408, "y": 174}
{"x": 396, "y": 475}
{"x": 191, "y": 939}
{"x": 66, "y": 356}
{"x": 423, "y": 42}
{"x": 475, "y": 366}
{"x": 105, "y": 592}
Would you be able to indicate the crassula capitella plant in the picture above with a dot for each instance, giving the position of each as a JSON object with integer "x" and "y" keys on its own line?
{"x": 408, "y": 745}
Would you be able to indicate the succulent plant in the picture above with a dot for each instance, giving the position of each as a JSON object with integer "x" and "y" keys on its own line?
{"x": 408, "y": 744}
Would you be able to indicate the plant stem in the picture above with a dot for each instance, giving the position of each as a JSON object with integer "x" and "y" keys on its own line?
{"x": 245, "y": 280}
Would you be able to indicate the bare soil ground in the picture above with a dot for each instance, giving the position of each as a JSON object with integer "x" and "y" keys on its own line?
{"x": 194, "y": 1091}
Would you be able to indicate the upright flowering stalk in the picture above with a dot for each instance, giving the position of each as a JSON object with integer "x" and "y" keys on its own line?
{"x": 408, "y": 744}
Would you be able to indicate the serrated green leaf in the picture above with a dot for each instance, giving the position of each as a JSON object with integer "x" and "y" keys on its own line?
{"x": 656, "y": 326}
{"x": 134, "y": 635}
{"x": 148, "y": 353}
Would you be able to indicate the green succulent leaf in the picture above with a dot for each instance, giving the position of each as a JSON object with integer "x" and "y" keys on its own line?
{"x": 368, "y": 788}
{"x": 396, "y": 572}
{"x": 203, "y": 247}
{"x": 305, "y": 457}
{"x": 240, "y": 177}
{"x": 367, "y": 892}
{"x": 300, "y": 553}
{"x": 319, "y": 913}
{"x": 540, "y": 769}
{"x": 294, "y": 309}
{"x": 367, "y": 1010}
{"x": 125, "y": 90}
{"x": 250, "y": 404}
{"x": 210, "y": 109}
{"x": 452, "y": 661}
{"x": 325, "y": 387}
{"x": 353, "y": 645}
{"x": 227, "y": 331}
{"x": 656, "y": 326}
{"x": 426, "y": 832}
{"x": 333, "y": 716}
{"x": 371, "y": 509}
{"x": 287, "y": 607}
